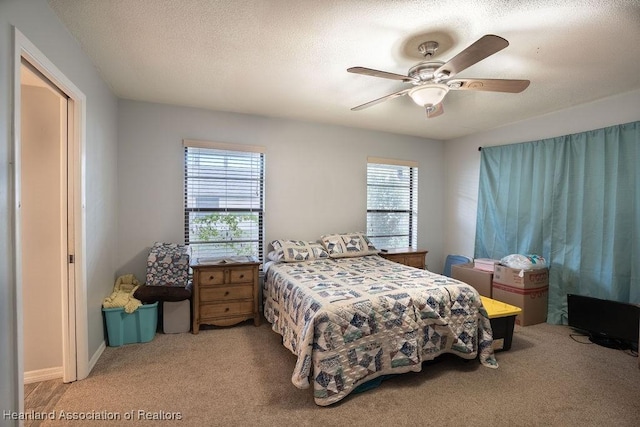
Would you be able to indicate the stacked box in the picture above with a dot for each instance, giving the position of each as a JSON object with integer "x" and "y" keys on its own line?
{"x": 127, "y": 328}
{"x": 527, "y": 289}
{"x": 481, "y": 280}
{"x": 485, "y": 264}
{"x": 168, "y": 265}
{"x": 168, "y": 282}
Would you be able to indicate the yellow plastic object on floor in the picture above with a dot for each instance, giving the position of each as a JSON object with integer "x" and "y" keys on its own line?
{"x": 497, "y": 309}
{"x": 502, "y": 317}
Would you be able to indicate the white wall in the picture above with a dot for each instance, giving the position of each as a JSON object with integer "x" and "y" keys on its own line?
{"x": 41, "y": 224}
{"x": 462, "y": 157}
{"x": 149, "y": 181}
{"x": 41, "y": 26}
{"x": 315, "y": 176}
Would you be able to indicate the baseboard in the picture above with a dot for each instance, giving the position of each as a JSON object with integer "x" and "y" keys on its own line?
{"x": 42, "y": 375}
{"x": 96, "y": 356}
{"x": 53, "y": 373}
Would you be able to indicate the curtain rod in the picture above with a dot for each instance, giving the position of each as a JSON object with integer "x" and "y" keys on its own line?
{"x": 479, "y": 148}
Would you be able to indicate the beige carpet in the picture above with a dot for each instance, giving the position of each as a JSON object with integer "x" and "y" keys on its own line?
{"x": 240, "y": 376}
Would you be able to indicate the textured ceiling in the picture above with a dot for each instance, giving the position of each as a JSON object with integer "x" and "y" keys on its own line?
{"x": 288, "y": 58}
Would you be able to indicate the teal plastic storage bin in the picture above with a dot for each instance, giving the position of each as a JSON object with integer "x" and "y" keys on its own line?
{"x": 127, "y": 328}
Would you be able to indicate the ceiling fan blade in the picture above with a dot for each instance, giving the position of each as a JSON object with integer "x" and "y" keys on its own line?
{"x": 379, "y": 100}
{"x": 435, "y": 110}
{"x": 377, "y": 73}
{"x": 481, "y": 49}
{"x": 489, "y": 85}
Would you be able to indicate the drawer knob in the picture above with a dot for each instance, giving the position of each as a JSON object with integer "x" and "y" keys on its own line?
{"x": 226, "y": 293}
{"x": 226, "y": 309}
{"x": 210, "y": 277}
{"x": 242, "y": 276}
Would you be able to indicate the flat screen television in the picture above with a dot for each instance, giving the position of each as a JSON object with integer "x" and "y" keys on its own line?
{"x": 608, "y": 323}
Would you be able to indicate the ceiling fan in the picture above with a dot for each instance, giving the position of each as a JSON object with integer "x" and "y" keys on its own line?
{"x": 433, "y": 79}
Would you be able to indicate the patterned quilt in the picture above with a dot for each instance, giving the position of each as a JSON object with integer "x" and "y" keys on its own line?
{"x": 350, "y": 320}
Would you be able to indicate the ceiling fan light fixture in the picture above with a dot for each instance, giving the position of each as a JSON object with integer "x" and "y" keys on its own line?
{"x": 428, "y": 95}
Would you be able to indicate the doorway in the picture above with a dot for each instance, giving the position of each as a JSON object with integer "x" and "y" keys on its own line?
{"x": 44, "y": 222}
{"x": 60, "y": 215}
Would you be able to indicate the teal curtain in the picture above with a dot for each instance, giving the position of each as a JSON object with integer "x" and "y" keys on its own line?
{"x": 573, "y": 199}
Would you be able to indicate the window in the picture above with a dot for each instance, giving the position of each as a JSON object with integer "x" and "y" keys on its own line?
{"x": 223, "y": 199}
{"x": 392, "y": 203}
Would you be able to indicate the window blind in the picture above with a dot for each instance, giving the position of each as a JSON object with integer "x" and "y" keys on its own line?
{"x": 223, "y": 200}
{"x": 392, "y": 203}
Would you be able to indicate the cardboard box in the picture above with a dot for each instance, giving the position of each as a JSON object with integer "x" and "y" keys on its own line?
{"x": 485, "y": 264}
{"x": 502, "y": 317}
{"x": 527, "y": 289}
{"x": 525, "y": 279}
{"x": 481, "y": 280}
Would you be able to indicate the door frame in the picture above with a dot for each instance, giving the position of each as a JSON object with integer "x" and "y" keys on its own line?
{"x": 74, "y": 292}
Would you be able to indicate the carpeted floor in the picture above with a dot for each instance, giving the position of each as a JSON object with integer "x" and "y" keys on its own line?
{"x": 241, "y": 376}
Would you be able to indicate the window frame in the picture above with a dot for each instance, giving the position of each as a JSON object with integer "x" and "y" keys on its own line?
{"x": 411, "y": 234}
{"x": 259, "y": 211}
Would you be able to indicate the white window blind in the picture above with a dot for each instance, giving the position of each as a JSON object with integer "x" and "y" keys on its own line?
{"x": 392, "y": 203}
{"x": 223, "y": 199}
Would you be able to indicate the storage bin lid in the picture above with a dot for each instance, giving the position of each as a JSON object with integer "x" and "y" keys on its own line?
{"x": 498, "y": 308}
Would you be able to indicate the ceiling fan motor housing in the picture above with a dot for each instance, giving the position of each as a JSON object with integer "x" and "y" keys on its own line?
{"x": 425, "y": 72}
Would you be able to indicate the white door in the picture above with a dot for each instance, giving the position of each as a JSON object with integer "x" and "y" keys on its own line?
{"x": 45, "y": 227}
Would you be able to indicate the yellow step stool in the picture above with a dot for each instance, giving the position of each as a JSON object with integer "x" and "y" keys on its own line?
{"x": 503, "y": 318}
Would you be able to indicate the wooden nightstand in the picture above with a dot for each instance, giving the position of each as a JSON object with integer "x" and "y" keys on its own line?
{"x": 225, "y": 293}
{"x": 407, "y": 256}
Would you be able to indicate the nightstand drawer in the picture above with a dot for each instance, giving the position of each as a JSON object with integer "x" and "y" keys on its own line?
{"x": 224, "y": 293}
{"x": 241, "y": 275}
{"x": 211, "y": 277}
{"x": 226, "y": 309}
{"x": 410, "y": 257}
{"x": 394, "y": 258}
{"x": 416, "y": 261}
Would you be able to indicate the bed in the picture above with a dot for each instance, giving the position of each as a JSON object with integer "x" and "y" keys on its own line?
{"x": 352, "y": 316}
